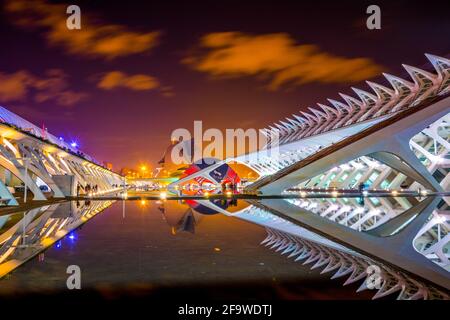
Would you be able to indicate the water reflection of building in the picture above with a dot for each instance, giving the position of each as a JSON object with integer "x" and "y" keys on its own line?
{"x": 186, "y": 215}
{"x": 23, "y": 235}
{"x": 296, "y": 241}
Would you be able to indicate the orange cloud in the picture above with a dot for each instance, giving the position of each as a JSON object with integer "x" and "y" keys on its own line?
{"x": 277, "y": 57}
{"x": 92, "y": 40}
{"x": 14, "y": 86}
{"x": 118, "y": 79}
{"x": 21, "y": 85}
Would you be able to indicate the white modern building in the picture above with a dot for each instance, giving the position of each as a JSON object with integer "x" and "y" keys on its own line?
{"x": 47, "y": 165}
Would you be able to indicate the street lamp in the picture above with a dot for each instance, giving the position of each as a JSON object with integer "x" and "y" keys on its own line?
{"x": 144, "y": 170}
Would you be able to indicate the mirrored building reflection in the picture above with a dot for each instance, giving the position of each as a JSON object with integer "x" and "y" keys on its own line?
{"x": 25, "y": 234}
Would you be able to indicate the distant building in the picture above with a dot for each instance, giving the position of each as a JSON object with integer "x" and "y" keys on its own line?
{"x": 170, "y": 169}
{"x": 129, "y": 173}
{"x": 108, "y": 165}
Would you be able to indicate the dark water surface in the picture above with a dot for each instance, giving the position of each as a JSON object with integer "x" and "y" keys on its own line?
{"x": 171, "y": 249}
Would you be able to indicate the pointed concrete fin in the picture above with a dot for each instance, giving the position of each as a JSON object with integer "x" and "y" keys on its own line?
{"x": 381, "y": 91}
{"x": 317, "y": 113}
{"x": 357, "y": 274}
{"x": 442, "y": 65}
{"x": 333, "y": 264}
{"x": 413, "y": 72}
{"x": 399, "y": 84}
{"x": 294, "y": 123}
{"x": 340, "y": 106}
{"x": 310, "y": 117}
{"x": 350, "y": 100}
{"x": 298, "y": 118}
{"x": 365, "y": 96}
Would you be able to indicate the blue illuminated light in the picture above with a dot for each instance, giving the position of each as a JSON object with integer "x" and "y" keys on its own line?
{"x": 72, "y": 236}
{"x": 74, "y": 144}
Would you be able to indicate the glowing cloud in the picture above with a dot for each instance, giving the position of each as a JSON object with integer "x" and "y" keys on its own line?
{"x": 118, "y": 79}
{"x": 278, "y": 57}
{"x": 53, "y": 86}
{"x": 92, "y": 40}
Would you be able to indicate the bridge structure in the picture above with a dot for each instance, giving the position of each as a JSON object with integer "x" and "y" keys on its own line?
{"x": 394, "y": 137}
{"x": 33, "y": 157}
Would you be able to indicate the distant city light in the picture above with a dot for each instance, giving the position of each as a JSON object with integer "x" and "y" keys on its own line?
{"x": 74, "y": 144}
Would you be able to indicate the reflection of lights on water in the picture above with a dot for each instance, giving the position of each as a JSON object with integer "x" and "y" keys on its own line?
{"x": 143, "y": 202}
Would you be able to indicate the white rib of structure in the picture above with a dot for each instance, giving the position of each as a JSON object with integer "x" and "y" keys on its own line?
{"x": 433, "y": 240}
{"x": 431, "y": 146}
{"x": 349, "y": 212}
{"x": 48, "y": 157}
{"x": 403, "y": 94}
{"x": 303, "y": 134}
{"x": 304, "y": 246}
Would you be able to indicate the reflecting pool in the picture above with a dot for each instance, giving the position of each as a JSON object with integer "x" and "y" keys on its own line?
{"x": 213, "y": 248}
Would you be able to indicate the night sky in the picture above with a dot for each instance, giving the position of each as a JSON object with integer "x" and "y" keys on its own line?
{"x": 137, "y": 70}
